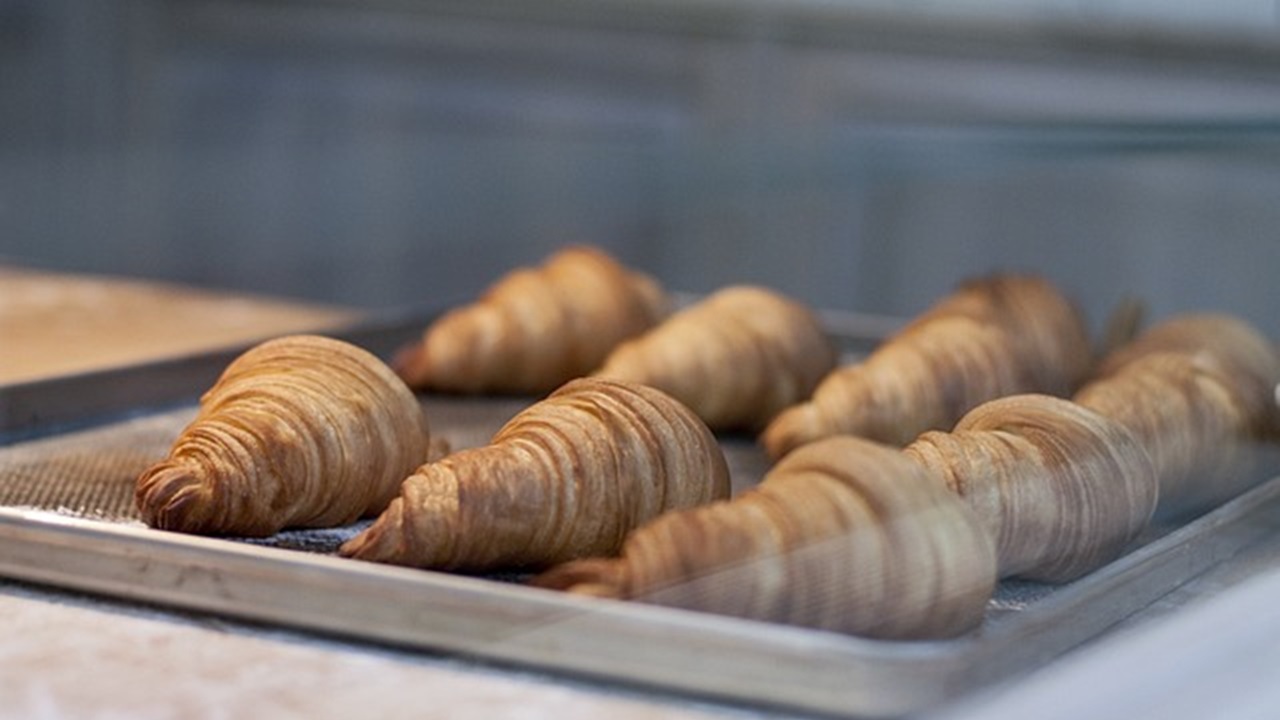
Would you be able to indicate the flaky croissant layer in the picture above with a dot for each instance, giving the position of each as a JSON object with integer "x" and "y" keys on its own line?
{"x": 567, "y": 477}
{"x": 1057, "y": 487}
{"x": 737, "y": 357}
{"x": 535, "y": 328}
{"x": 1062, "y": 489}
{"x": 300, "y": 431}
{"x": 994, "y": 336}
{"x": 842, "y": 534}
{"x": 1200, "y": 392}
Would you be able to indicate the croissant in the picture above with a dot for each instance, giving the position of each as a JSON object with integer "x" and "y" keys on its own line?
{"x": 1059, "y": 487}
{"x": 843, "y": 534}
{"x": 569, "y": 476}
{"x": 1199, "y": 391}
{"x": 1062, "y": 489}
{"x": 736, "y": 358}
{"x": 300, "y": 431}
{"x": 995, "y": 336}
{"x": 535, "y": 328}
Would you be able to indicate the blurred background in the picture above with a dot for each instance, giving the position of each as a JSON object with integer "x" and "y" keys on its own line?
{"x": 859, "y": 155}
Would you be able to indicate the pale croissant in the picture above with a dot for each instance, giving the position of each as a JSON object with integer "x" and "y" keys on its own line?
{"x": 535, "y": 328}
{"x": 994, "y": 336}
{"x": 737, "y": 357}
{"x": 300, "y": 431}
{"x": 567, "y": 477}
{"x": 843, "y": 534}
{"x": 1199, "y": 391}
{"x": 1062, "y": 489}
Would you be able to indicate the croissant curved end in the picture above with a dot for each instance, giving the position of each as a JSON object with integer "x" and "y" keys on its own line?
{"x": 373, "y": 544}
{"x": 597, "y": 577}
{"x": 383, "y": 541}
{"x": 797, "y": 425}
{"x": 173, "y": 497}
{"x": 408, "y": 363}
{"x": 653, "y": 297}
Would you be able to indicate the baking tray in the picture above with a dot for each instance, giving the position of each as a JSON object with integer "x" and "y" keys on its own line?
{"x": 74, "y": 445}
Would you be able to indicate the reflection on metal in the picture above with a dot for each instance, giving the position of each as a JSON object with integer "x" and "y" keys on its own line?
{"x": 659, "y": 648}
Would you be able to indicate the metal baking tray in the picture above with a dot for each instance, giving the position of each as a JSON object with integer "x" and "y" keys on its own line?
{"x": 72, "y": 447}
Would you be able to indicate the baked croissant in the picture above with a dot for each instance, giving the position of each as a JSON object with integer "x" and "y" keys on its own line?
{"x": 1058, "y": 487}
{"x": 300, "y": 431}
{"x": 995, "y": 336}
{"x": 1199, "y": 391}
{"x": 535, "y": 328}
{"x": 736, "y": 358}
{"x": 1062, "y": 489}
{"x": 567, "y": 477}
{"x": 843, "y": 534}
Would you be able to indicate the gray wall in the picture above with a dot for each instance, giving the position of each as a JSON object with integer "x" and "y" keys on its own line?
{"x": 385, "y": 154}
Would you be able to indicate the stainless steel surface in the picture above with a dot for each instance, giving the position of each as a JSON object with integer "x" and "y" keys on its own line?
{"x": 737, "y": 660}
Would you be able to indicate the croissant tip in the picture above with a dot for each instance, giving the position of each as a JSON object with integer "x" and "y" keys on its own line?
{"x": 353, "y": 547}
{"x": 596, "y": 577}
{"x": 169, "y": 497}
{"x": 376, "y": 543}
{"x": 363, "y": 546}
{"x": 785, "y": 433}
{"x": 407, "y": 364}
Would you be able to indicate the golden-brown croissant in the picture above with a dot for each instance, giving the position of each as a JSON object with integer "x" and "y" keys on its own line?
{"x": 1058, "y": 487}
{"x": 567, "y": 477}
{"x": 736, "y": 358}
{"x": 300, "y": 431}
{"x": 995, "y": 336}
{"x": 535, "y": 328}
{"x": 843, "y": 534}
{"x": 1062, "y": 489}
{"x": 1199, "y": 391}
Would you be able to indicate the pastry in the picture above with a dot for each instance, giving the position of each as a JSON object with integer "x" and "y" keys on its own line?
{"x": 567, "y": 477}
{"x": 1063, "y": 490}
{"x": 300, "y": 431}
{"x": 736, "y": 357}
{"x": 843, "y": 534}
{"x": 1199, "y": 390}
{"x": 995, "y": 336}
{"x": 535, "y": 328}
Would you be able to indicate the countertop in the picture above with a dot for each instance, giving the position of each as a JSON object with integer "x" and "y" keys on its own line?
{"x": 55, "y": 324}
{"x": 73, "y": 656}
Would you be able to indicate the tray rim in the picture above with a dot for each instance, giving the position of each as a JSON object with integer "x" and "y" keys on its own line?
{"x": 629, "y": 643}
